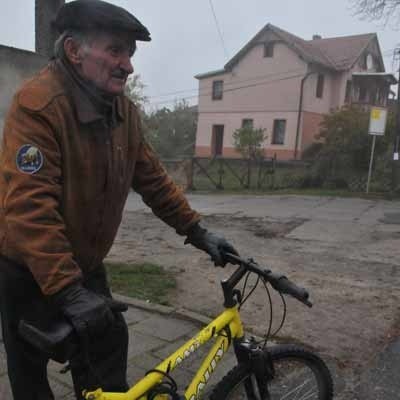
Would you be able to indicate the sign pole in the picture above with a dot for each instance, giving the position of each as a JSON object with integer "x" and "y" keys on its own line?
{"x": 371, "y": 162}
{"x": 377, "y": 125}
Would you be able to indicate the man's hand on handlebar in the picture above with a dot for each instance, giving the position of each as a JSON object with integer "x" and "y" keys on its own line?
{"x": 215, "y": 246}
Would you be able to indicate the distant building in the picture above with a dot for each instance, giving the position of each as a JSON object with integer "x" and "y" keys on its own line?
{"x": 285, "y": 84}
{"x": 16, "y": 65}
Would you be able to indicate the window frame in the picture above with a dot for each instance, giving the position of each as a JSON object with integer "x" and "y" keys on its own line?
{"x": 319, "y": 93}
{"x": 363, "y": 95}
{"x": 217, "y": 147}
{"x": 348, "y": 96}
{"x": 217, "y": 95}
{"x": 275, "y": 132}
{"x": 247, "y": 122}
{"x": 269, "y": 48}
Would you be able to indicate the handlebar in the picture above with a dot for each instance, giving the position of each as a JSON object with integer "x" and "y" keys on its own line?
{"x": 279, "y": 282}
{"x": 57, "y": 338}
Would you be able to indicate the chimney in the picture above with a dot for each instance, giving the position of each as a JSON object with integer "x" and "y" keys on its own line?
{"x": 316, "y": 37}
{"x": 45, "y": 36}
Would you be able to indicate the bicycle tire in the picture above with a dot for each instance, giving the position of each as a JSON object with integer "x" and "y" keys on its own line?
{"x": 291, "y": 363}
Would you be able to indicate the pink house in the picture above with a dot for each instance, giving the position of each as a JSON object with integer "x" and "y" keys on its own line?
{"x": 285, "y": 84}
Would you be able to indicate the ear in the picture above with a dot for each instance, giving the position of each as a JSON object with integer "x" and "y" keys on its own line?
{"x": 73, "y": 51}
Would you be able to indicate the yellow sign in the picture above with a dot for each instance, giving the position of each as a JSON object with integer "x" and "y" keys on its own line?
{"x": 377, "y": 121}
{"x": 376, "y": 113}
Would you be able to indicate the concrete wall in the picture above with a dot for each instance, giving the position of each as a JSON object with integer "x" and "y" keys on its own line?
{"x": 15, "y": 66}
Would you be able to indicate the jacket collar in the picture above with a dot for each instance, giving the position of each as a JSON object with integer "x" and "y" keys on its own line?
{"x": 90, "y": 106}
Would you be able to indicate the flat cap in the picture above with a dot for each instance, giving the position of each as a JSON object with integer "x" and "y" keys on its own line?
{"x": 97, "y": 14}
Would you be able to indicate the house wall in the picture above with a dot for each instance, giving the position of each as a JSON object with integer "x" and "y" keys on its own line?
{"x": 258, "y": 88}
{"x": 15, "y": 66}
{"x": 232, "y": 122}
{"x": 314, "y": 108}
{"x": 310, "y": 128}
{"x": 311, "y": 102}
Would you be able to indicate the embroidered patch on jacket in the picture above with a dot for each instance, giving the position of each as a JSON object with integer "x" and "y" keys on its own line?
{"x": 29, "y": 159}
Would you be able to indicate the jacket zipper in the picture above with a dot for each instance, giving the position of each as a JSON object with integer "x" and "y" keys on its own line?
{"x": 108, "y": 189}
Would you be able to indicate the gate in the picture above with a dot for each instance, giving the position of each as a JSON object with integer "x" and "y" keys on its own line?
{"x": 231, "y": 173}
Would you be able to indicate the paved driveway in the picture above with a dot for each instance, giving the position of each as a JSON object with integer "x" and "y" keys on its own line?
{"x": 345, "y": 250}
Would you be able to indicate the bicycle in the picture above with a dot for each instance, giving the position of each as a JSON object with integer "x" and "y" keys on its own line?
{"x": 262, "y": 372}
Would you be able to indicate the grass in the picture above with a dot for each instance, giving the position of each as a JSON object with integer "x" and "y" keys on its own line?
{"x": 145, "y": 281}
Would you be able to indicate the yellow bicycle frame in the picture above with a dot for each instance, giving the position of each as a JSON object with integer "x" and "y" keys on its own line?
{"x": 228, "y": 321}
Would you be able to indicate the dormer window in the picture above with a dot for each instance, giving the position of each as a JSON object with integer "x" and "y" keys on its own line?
{"x": 269, "y": 49}
{"x": 217, "y": 90}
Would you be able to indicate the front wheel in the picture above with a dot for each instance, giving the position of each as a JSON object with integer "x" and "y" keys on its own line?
{"x": 299, "y": 375}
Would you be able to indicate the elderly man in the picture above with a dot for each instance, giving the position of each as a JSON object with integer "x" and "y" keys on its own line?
{"x": 72, "y": 149}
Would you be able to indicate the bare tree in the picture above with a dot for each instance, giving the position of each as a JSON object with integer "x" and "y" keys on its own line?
{"x": 379, "y": 10}
{"x": 134, "y": 90}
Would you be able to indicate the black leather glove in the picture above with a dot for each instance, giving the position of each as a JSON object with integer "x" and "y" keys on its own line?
{"x": 212, "y": 244}
{"x": 88, "y": 312}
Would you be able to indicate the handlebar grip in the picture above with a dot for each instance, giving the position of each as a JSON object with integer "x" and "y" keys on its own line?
{"x": 233, "y": 258}
{"x": 57, "y": 338}
{"x": 284, "y": 285}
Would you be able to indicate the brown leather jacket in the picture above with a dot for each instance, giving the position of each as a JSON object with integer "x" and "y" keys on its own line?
{"x": 65, "y": 176}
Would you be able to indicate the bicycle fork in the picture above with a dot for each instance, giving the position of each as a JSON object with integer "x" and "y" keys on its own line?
{"x": 260, "y": 366}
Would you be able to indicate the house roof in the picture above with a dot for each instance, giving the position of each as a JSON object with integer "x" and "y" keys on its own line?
{"x": 338, "y": 53}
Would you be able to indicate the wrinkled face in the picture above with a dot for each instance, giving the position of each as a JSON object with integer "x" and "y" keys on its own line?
{"x": 106, "y": 61}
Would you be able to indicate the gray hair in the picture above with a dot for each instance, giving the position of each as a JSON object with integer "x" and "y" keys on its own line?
{"x": 83, "y": 38}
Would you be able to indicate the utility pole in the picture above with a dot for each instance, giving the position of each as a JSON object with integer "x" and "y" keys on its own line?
{"x": 395, "y": 160}
{"x": 45, "y": 34}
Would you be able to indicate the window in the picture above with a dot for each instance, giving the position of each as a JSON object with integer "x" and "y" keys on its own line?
{"x": 278, "y": 134}
{"x": 217, "y": 140}
{"x": 247, "y": 123}
{"x": 218, "y": 88}
{"x": 320, "y": 86}
{"x": 348, "y": 95}
{"x": 269, "y": 49}
{"x": 363, "y": 96}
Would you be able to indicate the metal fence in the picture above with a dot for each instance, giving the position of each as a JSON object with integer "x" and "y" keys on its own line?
{"x": 235, "y": 174}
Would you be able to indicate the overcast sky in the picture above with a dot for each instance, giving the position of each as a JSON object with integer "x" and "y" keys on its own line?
{"x": 186, "y": 40}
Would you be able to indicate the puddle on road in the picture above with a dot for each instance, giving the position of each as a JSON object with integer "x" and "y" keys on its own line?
{"x": 391, "y": 218}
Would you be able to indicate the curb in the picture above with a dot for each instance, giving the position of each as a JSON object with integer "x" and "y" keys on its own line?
{"x": 180, "y": 312}
{"x": 164, "y": 310}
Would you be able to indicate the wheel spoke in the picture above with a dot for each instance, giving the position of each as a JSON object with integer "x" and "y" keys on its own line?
{"x": 294, "y": 390}
{"x": 299, "y": 375}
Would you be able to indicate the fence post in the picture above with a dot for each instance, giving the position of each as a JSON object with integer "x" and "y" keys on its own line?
{"x": 273, "y": 171}
{"x": 190, "y": 174}
{"x": 260, "y": 162}
{"x": 220, "y": 174}
{"x": 248, "y": 173}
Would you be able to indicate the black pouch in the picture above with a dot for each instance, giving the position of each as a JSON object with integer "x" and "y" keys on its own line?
{"x": 57, "y": 339}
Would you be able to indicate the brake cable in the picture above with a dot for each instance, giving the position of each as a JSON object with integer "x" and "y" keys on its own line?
{"x": 244, "y": 285}
{"x": 244, "y": 298}
{"x": 267, "y": 336}
{"x": 165, "y": 387}
{"x": 283, "y": 316}
{"x": 251, "y": 291}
